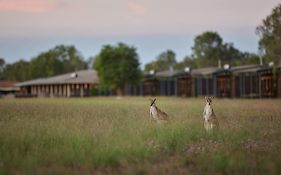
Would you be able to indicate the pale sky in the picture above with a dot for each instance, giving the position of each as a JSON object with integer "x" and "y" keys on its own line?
{"x": 28, "y": 27}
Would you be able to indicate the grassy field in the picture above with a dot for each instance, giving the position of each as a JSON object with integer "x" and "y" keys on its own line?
{"x": 114, "y": 136}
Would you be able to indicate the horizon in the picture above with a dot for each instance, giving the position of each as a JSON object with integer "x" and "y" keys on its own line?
{"x": 30, "y": 27}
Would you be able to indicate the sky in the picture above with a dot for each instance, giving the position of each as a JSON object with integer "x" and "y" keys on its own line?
{"x": 28, "y": 27}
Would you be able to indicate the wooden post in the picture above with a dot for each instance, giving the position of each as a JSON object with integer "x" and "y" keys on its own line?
{"x": 51, "y": 91}
{"x": 68, "y": 90}
{"x": 63, "y": 90}
{"x": 81, "y": 87}
{"x": 193, "y": 87}
{"x": 215, "y": 85}
{"x": 176, "y": 86}
{"x": 32, "y": 90}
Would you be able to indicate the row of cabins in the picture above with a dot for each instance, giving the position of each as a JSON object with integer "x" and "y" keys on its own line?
{"x": 249, "y": 81}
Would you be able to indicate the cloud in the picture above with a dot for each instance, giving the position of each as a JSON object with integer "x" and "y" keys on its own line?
{"x": 136, "y": 8}
{"x": 32, "y": 6}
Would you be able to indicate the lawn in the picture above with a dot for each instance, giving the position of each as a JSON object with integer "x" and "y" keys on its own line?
{"x": 108, "y": 135}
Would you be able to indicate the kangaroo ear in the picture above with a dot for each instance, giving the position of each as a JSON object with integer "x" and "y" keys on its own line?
{"x": 153, "y": 101}
{"x": 206, "y": 97}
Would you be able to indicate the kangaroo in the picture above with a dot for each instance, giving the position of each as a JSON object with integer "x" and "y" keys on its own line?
{"x": 156, "y": 114}
{"x": 209, "y": 117}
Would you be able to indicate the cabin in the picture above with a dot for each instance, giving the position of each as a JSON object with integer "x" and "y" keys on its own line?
{"x": 167, "y": 82}
{"x": 8, "y": 88}
{"x": 184, "y": 83}
{"x": 268, "y": 83}
{"x": 278, "y": 80}
{"x": 150, "y": 84}
{"x": 204, "y": 81}
{"x": 76, "y": 84}
{"x": 223, "y": 82}
{"x": 246, "y": 82}
{"x": 159, "y": 83}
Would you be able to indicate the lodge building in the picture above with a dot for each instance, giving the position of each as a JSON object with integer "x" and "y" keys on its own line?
{"x": 67, "y": 85}
{"x": 247, "y": 81}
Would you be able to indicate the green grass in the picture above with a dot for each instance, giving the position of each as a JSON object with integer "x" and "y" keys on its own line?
{"x": 114, "y": 136}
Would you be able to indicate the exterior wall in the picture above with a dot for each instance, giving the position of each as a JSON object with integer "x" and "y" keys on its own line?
{"x": 154, "y": 87}
{"x": 278, "y": 73}
{"x": 224, "y": 86}
{"x": 151, "y": 87}
{"x": 267, "y": 84}
{"x": 184, "y": 87}
{"x": 57, "y": 90}
{"x": 204, "y": 86}
{"x": 167, "y": 87}
{"x": 246, "y": 85}
{"x": 262, "y": 83}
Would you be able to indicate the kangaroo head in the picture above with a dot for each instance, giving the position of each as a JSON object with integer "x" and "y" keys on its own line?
{"x": 208, "y": 100}
{"x": 152, "y": 102}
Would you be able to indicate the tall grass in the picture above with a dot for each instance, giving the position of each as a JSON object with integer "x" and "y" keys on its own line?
{"x": 70, "y": 136}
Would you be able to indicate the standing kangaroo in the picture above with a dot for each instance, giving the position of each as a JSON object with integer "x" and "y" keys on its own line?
{"x": 209, "y": 117}
{"x": 156, "y": 114}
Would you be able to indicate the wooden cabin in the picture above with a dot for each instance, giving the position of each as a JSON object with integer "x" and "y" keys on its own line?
{"x": 184, "y": 84}
{"x": 167, "y": 84}
{"x": 268, "y": 82}
{"x": 150, "y": 85}
{"x": 159, "y": 83}
{"x": 204, "y": 81}
{"x": 278, "y": 73}
{"x": 245, "y": 81}
{"x": 223, "y": 82}
{"x": 77, "y": 84}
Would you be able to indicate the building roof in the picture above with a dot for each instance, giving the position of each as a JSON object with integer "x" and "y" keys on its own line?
{"x": 211, "y": 70}
{"x": 166, "y": 74}
{"x": 205, "y": 71}
{"x": 79, "y": 77}
{"x": 161, "y": 74}
{"x": 254, "y": 68}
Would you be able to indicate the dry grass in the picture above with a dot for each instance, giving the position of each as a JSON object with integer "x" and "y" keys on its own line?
{"x": 114, "y": 136}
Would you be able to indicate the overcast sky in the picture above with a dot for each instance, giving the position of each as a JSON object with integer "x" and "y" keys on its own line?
{"x": 28, "y": 27}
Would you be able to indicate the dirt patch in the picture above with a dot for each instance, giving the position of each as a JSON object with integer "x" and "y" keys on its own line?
{"x": 203, "y": 146}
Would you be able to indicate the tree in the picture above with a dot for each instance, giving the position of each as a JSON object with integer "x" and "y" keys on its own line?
{"x": 186, "y": 62}
{"x": 164, "y": 61}
{"x": 270, "y": 35}
{"x": 45, "y": 65}
{"x": 250, "y": 58}
{"x": 58, "y": 60}
{"x": 91, "y": 62}
{"x": 209, "y": 48}
{"x": 18, "y": 71}
{"x": 117, "y": 66}
{"x": 2, "y": 64}
{"x": 71, "y": 58}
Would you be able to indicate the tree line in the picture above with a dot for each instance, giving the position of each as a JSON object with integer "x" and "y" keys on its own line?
{"x": 208, "y": 50}
{"x": 58, "y": 60}
{"x": 119, "y": 64}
